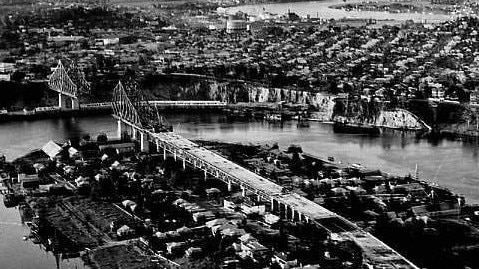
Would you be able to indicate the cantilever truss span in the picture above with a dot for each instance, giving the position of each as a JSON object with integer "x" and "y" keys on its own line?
{"x": 78, "y": 77}
{"x": 122, "y": 106}
{"x": 61, "y": 82}
{"x": 131, "y": 105}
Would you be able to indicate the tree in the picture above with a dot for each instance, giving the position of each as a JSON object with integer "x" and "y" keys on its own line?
{"x": 295, "y": 165}
{"x": 102, "y": 138}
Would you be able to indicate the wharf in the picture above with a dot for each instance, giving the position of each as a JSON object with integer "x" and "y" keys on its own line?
{"x": 324, "y": 160}
{"x": 82, "y": 221}
{"x": 130, "y": 254}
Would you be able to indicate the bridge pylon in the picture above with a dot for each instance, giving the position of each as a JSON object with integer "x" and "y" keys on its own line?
{"x": 132, "y": 109}
{"x": 69, "y": 85}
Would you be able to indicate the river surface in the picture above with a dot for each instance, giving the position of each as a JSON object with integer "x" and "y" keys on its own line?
{"x": 321, "y": 9}
{"x": 449, "y": 163}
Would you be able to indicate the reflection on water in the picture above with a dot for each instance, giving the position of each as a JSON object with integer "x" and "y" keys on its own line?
{"x": 18, "y": 138}
{"x": 450, "y": 163}
{"x": 16, "y": 253}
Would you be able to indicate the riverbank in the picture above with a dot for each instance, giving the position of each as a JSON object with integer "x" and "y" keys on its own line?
{"x": 104, "y": 109}
{"x": 424, "y": 7}
{"x": 52, "y": 113}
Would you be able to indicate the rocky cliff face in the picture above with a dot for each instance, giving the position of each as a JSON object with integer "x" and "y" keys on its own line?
{"x": 256, "y": 94}
{"x": 400, "y": 119}
{"x": 363, "y": 111}
{"x": 235, "y": 92}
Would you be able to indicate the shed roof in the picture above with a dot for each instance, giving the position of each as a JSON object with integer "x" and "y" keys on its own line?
{"x": 52, "y": 149}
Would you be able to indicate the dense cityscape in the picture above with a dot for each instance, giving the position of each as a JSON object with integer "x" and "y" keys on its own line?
{"x": 144, "y": 196}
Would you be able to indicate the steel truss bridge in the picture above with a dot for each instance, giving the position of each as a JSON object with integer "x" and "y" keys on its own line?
{"x": 150, "y": 128}
{"x": 69, "y": 83}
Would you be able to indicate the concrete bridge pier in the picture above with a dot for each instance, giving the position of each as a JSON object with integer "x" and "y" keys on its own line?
{"x": 60, "y": 101}
{"x": 119, "y": 129}
{"x": 157, "y": 146}
{"x": 75, "y": 103}
{"x": 282, "y": 210}
{"x": 144, "y": 143}
{"x": 300, "y": 217}
{"x": 287, "y": 212}
{"x": 64, "y": 99}
{"x": 133, "y": 133}
{"x": 272, "y": 209}
{"x": 230, "y": 186}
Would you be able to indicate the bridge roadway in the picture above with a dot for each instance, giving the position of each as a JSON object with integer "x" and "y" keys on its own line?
{"x": 295, "y": 207}
{"x": 161, "y": 104}
{"x": 232, "y": 173}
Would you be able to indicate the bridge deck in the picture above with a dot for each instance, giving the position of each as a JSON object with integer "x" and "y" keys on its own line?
{"x": 253, "y": 180}
{"x": 376, "y": 252}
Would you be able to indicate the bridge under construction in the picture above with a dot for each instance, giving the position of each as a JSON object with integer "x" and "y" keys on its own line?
{"x": 144, "y": 122}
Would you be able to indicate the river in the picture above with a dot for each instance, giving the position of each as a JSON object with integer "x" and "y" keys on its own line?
{"x": 449, "y": 163}
{"x": 321, "y": 9}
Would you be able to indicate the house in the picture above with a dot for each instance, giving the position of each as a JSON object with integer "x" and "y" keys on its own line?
{"x": 271, "y": 219}
{"x": 29, "y": 182}
{"x": 253, "y": 250}
{"x": 73, "y": 152}
{"x": 175, "y": 247}
{"x": 282, "y": 260}
{"x": 228, "y": 204}
{"x": 253, "y": 209}
{"x": 52, "y": 149}
{"x": 193, "y": 252}
{"x": 119, "y": 147}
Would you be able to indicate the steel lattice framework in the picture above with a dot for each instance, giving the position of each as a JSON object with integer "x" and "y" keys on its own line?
{"x": 130, "y": 104}
{"x": 78, "y": 77}
{"x": 61, "y": 82}
{"x": 122, "y": 106}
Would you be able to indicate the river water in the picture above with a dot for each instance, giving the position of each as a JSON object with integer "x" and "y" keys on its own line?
{"x": 449, "y": 163}
{"x": 321, "y": 9}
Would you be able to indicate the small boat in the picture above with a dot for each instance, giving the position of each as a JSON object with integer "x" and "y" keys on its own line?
{"x": 355, "y": 128}
{"x": 35, "y": 238}
{"x": 273, "y": 117}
